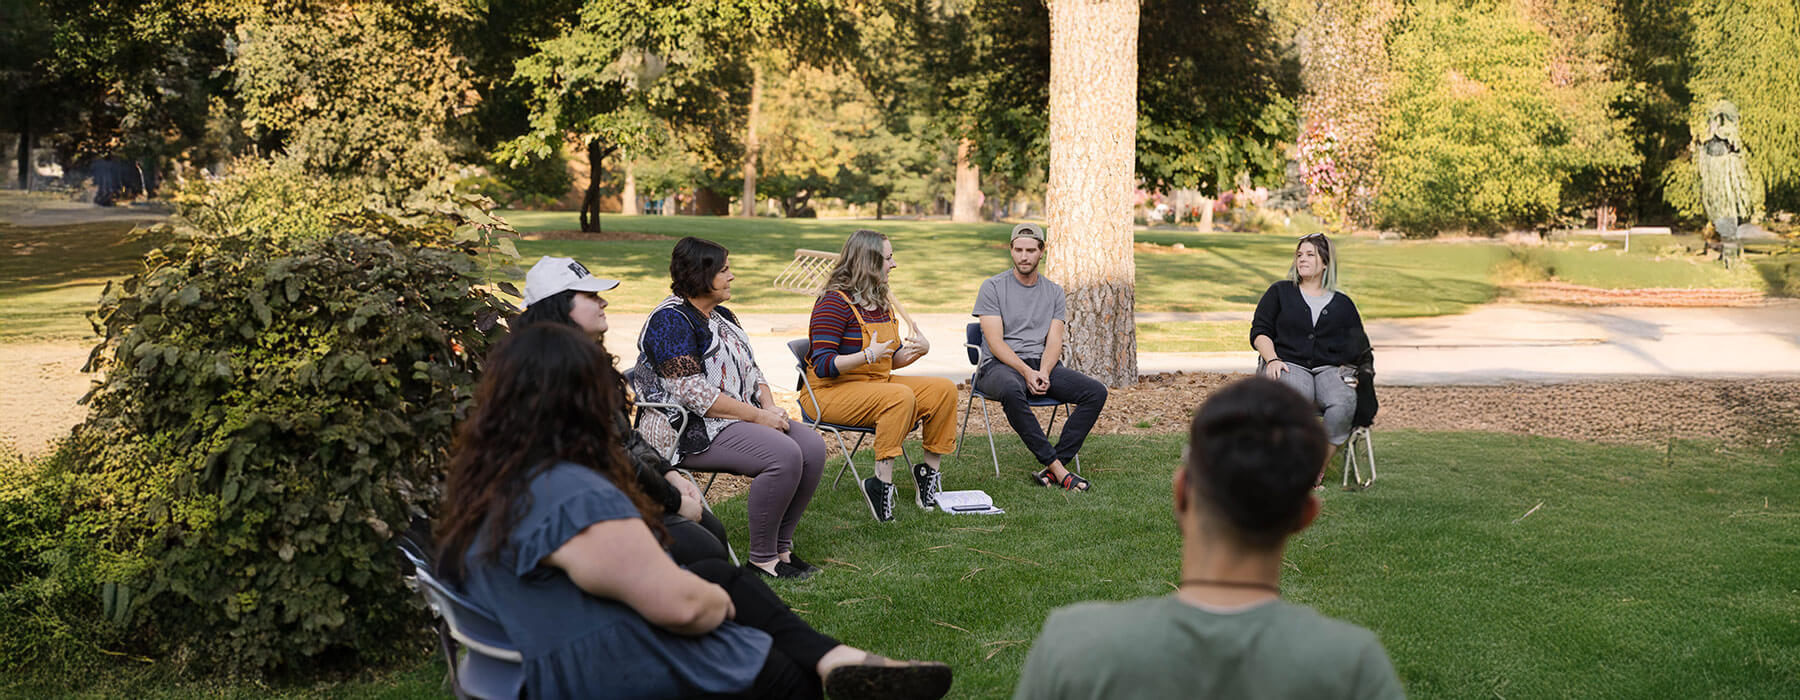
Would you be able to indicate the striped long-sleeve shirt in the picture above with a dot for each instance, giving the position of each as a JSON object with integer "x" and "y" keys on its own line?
{"x": 834, "y": 331}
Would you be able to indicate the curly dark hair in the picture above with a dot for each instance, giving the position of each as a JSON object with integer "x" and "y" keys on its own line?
{"x": 1254, "y": 451}
{"x": 548, "y": 394}
{"x": 693, "y": 265}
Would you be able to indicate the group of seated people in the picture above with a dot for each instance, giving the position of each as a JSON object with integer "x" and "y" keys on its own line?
{"x": 597, "y": 555}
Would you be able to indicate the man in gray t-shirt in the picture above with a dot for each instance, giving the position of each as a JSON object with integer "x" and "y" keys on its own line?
{"x": 1024, "y": 317}
{"x": 1244, "y": 487}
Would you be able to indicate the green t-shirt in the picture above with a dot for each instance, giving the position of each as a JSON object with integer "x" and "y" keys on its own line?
{"x": 1165, "y": 648}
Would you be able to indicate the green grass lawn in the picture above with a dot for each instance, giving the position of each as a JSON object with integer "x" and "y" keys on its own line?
{"x": 942, "y": 264}
{"x": 1653, "y": 261}
{"x": 1645, "y": 573}
{"x": 1663, "y": 573}
{"x": 52, "y": 275}
{"x": 1193, "y": 336}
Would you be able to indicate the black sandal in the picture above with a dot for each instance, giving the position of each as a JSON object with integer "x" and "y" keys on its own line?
{"x": 1042, "y": 478}
{"x": 1073, "y": 482}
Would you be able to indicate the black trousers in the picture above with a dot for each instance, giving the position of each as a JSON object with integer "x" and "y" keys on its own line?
{"x": 791, "y": 671}
{"x": 1007, "y": 386}
{"x": 691, "y": 541}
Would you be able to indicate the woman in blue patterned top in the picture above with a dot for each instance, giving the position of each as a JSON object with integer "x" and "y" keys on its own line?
{"x": 697, "y": 355}
{"x": 544, "y": 525}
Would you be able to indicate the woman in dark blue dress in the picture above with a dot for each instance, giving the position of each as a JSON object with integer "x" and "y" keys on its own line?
{"x": 543, "y": 523}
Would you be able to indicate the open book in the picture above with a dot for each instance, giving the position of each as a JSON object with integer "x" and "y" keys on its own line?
{"x": 967, "y": 502}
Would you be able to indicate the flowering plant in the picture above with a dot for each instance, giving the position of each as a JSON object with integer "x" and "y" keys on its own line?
{"x": 1318, "y": 151}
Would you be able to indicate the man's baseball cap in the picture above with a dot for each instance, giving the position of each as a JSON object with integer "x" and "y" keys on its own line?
{"x": 1028, "y": 231}
{"x": 552, "y": 276}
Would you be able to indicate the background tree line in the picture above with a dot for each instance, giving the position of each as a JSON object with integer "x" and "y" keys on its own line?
{"x": 1424, "y": 115}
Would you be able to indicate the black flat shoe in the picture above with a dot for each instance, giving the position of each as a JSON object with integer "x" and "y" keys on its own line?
{"x": 783, "y": 570}
{"x": 799, "y": 564}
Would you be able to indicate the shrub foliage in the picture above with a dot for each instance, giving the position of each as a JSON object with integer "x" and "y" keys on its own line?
{"x": 273, "y": 414}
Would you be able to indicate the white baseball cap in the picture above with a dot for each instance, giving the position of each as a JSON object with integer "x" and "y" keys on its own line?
{"x": 552, "y": 276}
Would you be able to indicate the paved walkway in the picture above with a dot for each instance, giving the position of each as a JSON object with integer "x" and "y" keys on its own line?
{"x": 1493, "y": 344}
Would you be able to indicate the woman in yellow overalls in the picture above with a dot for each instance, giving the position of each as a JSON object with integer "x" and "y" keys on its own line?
{"x": 856, "y": 345}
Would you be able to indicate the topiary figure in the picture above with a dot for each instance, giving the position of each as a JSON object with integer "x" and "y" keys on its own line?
{"x": 1727, "y": 190}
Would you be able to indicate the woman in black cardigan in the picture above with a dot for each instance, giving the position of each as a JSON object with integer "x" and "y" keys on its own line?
{"x": 1311, "y": 338}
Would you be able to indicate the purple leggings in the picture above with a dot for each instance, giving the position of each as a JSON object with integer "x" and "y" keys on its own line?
{"x": 784, "y": 470}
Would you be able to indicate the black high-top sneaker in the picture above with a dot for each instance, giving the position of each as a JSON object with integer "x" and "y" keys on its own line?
{"x": 930, "y": 484}
{"x": 880, "y": 496}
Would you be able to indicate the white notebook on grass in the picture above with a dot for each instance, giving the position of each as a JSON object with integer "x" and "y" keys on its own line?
{"x": 967, "y": 503}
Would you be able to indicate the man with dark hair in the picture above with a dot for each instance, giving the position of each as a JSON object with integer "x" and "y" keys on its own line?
{"x": 1023, "y": 322}
{"x": 1244, "y": 489}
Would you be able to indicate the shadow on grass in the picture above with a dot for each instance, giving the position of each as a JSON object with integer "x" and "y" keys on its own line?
{"x": 44, "y": 258}
{"x": 1781, "y": 272}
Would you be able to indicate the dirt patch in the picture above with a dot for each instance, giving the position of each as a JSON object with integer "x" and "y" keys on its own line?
{"x": 594, "y": 236}
{"x": 1764, "y": 413}
{"x": 1577, "y": 295}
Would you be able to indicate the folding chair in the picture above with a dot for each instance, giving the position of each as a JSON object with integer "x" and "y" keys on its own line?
{"x": 487, "y": 665}
{"x": 799, "y": 349}
{"x": 975, "y": 342}
{"x": 680, "y": 426}
{"x": 1358, "y": 433}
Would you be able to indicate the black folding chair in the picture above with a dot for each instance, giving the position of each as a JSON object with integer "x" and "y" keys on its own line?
{"x": 975, "y": 343}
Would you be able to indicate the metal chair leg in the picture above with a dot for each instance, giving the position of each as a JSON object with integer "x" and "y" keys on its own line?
{"x": 1352, "y": 470}
{"x": 963, "y": 434}
{"x": 1369, "y": 446}
{"x": 992, "y": 450}
{"x": 848, "y": 462}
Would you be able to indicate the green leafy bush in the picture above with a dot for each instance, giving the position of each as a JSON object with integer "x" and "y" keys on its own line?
{"x": 55, "y": 624}
{"x": 274, "y": 413}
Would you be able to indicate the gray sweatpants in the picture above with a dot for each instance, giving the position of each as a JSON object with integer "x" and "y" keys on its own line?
{"x": 1324, "y": 386}
{"x": 784, "y": 470}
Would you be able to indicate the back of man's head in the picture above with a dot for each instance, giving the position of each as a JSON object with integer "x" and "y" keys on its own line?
{"x": 1254, "y": 452}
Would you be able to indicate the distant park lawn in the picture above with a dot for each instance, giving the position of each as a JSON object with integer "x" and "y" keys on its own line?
{"x": 942, "y": 263}
{"x": 1490, "y": 566}
{"x": 52, "y": 275}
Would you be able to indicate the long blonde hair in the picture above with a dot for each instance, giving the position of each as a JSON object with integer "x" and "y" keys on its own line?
{"x": 861, "y": 271}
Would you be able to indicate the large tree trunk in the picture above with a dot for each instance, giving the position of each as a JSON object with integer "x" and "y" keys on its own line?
{"x": 1093, "y": 146}
{"x": 967, "y": 206}
{"x": 748, "y": 207}
{"x": 590, "y": 201}
{"x": 628, "y": 199}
